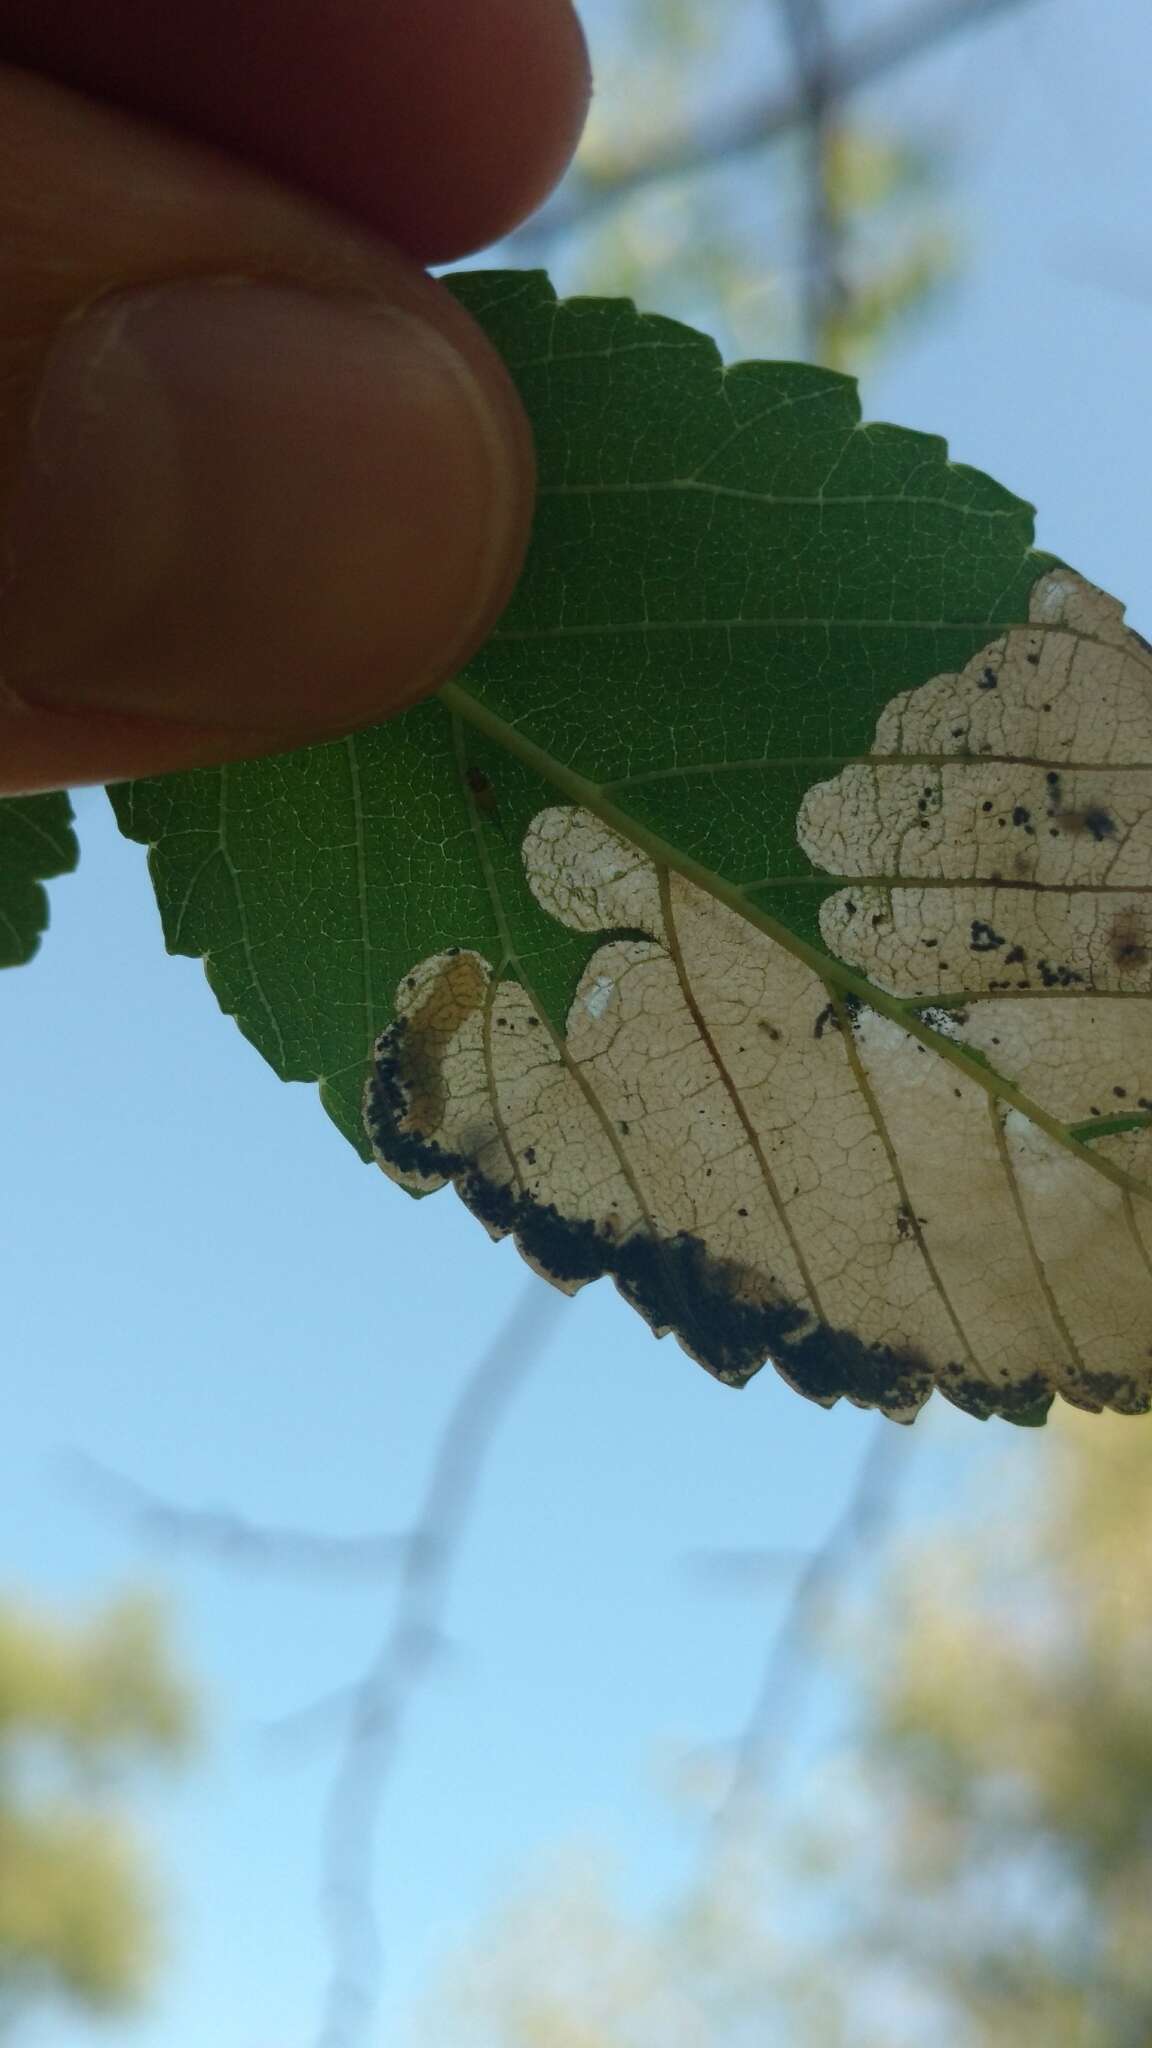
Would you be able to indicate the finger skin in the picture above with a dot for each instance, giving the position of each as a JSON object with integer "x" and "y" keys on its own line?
{"x": 439, "y": 124}
{"x": 91, "y": 201}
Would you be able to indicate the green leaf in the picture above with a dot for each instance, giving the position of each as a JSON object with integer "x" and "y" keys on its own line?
{"x": 36, "y": 843}
{"x": 732, "y": 772}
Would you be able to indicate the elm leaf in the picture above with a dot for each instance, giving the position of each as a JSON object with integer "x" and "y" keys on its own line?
{"x": 752, "y": 919}
{"x": 36, "y": 843}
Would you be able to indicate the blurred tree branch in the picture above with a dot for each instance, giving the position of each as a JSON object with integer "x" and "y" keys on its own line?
{"x": 765, "y": 119}
{"x": 858, "y": 1530}
{"x": 373, "y": 1708}
{"x": 813, "y": 57}
{"x": 238, "y": 1542}
{"x": 380, "y": 1699}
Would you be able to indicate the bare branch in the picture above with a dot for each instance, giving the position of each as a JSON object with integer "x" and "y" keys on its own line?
{"x": 380, "y": 1700}
{"x": 858, "y": 1529}
{"x": 744, "y": 1571}
{"x": 236, "y": 1541}
{"x": 371, "y": 1710}
{"x": 813, "y": 58}
{"x": 869, "y": 57}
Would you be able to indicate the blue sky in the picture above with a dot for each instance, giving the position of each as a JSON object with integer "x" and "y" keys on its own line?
{"x": 204, "y": 1290}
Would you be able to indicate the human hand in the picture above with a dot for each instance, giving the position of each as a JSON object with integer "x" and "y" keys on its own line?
{"x": 264, "y": 480}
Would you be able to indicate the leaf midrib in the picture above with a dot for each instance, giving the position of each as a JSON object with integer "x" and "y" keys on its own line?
{"x": 591, "y": 796}
{"x": 772, "y": 763}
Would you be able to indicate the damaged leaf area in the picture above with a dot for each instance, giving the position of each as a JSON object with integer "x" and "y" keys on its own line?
{"x": 759, "y": 918}
{"x": 771, "y": 1157}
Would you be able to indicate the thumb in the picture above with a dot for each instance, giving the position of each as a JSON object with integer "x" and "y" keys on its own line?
{"x": 263, "y": 479}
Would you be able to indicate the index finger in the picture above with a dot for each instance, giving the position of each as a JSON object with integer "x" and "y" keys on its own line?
{"x": 440, "y": 124}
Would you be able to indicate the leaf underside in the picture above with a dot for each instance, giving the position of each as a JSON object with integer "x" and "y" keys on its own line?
{"x": 36, "y": 843}
{"x": 750, "y": 920}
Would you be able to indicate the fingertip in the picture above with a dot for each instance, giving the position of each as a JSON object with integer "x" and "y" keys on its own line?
{"x": 439, "y": 124}
{"x": 279, "y": 515}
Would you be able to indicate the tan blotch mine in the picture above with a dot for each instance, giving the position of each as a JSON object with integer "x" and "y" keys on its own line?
{"x": 774, "y": 1170}
{"x": 1001, "y": 832}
